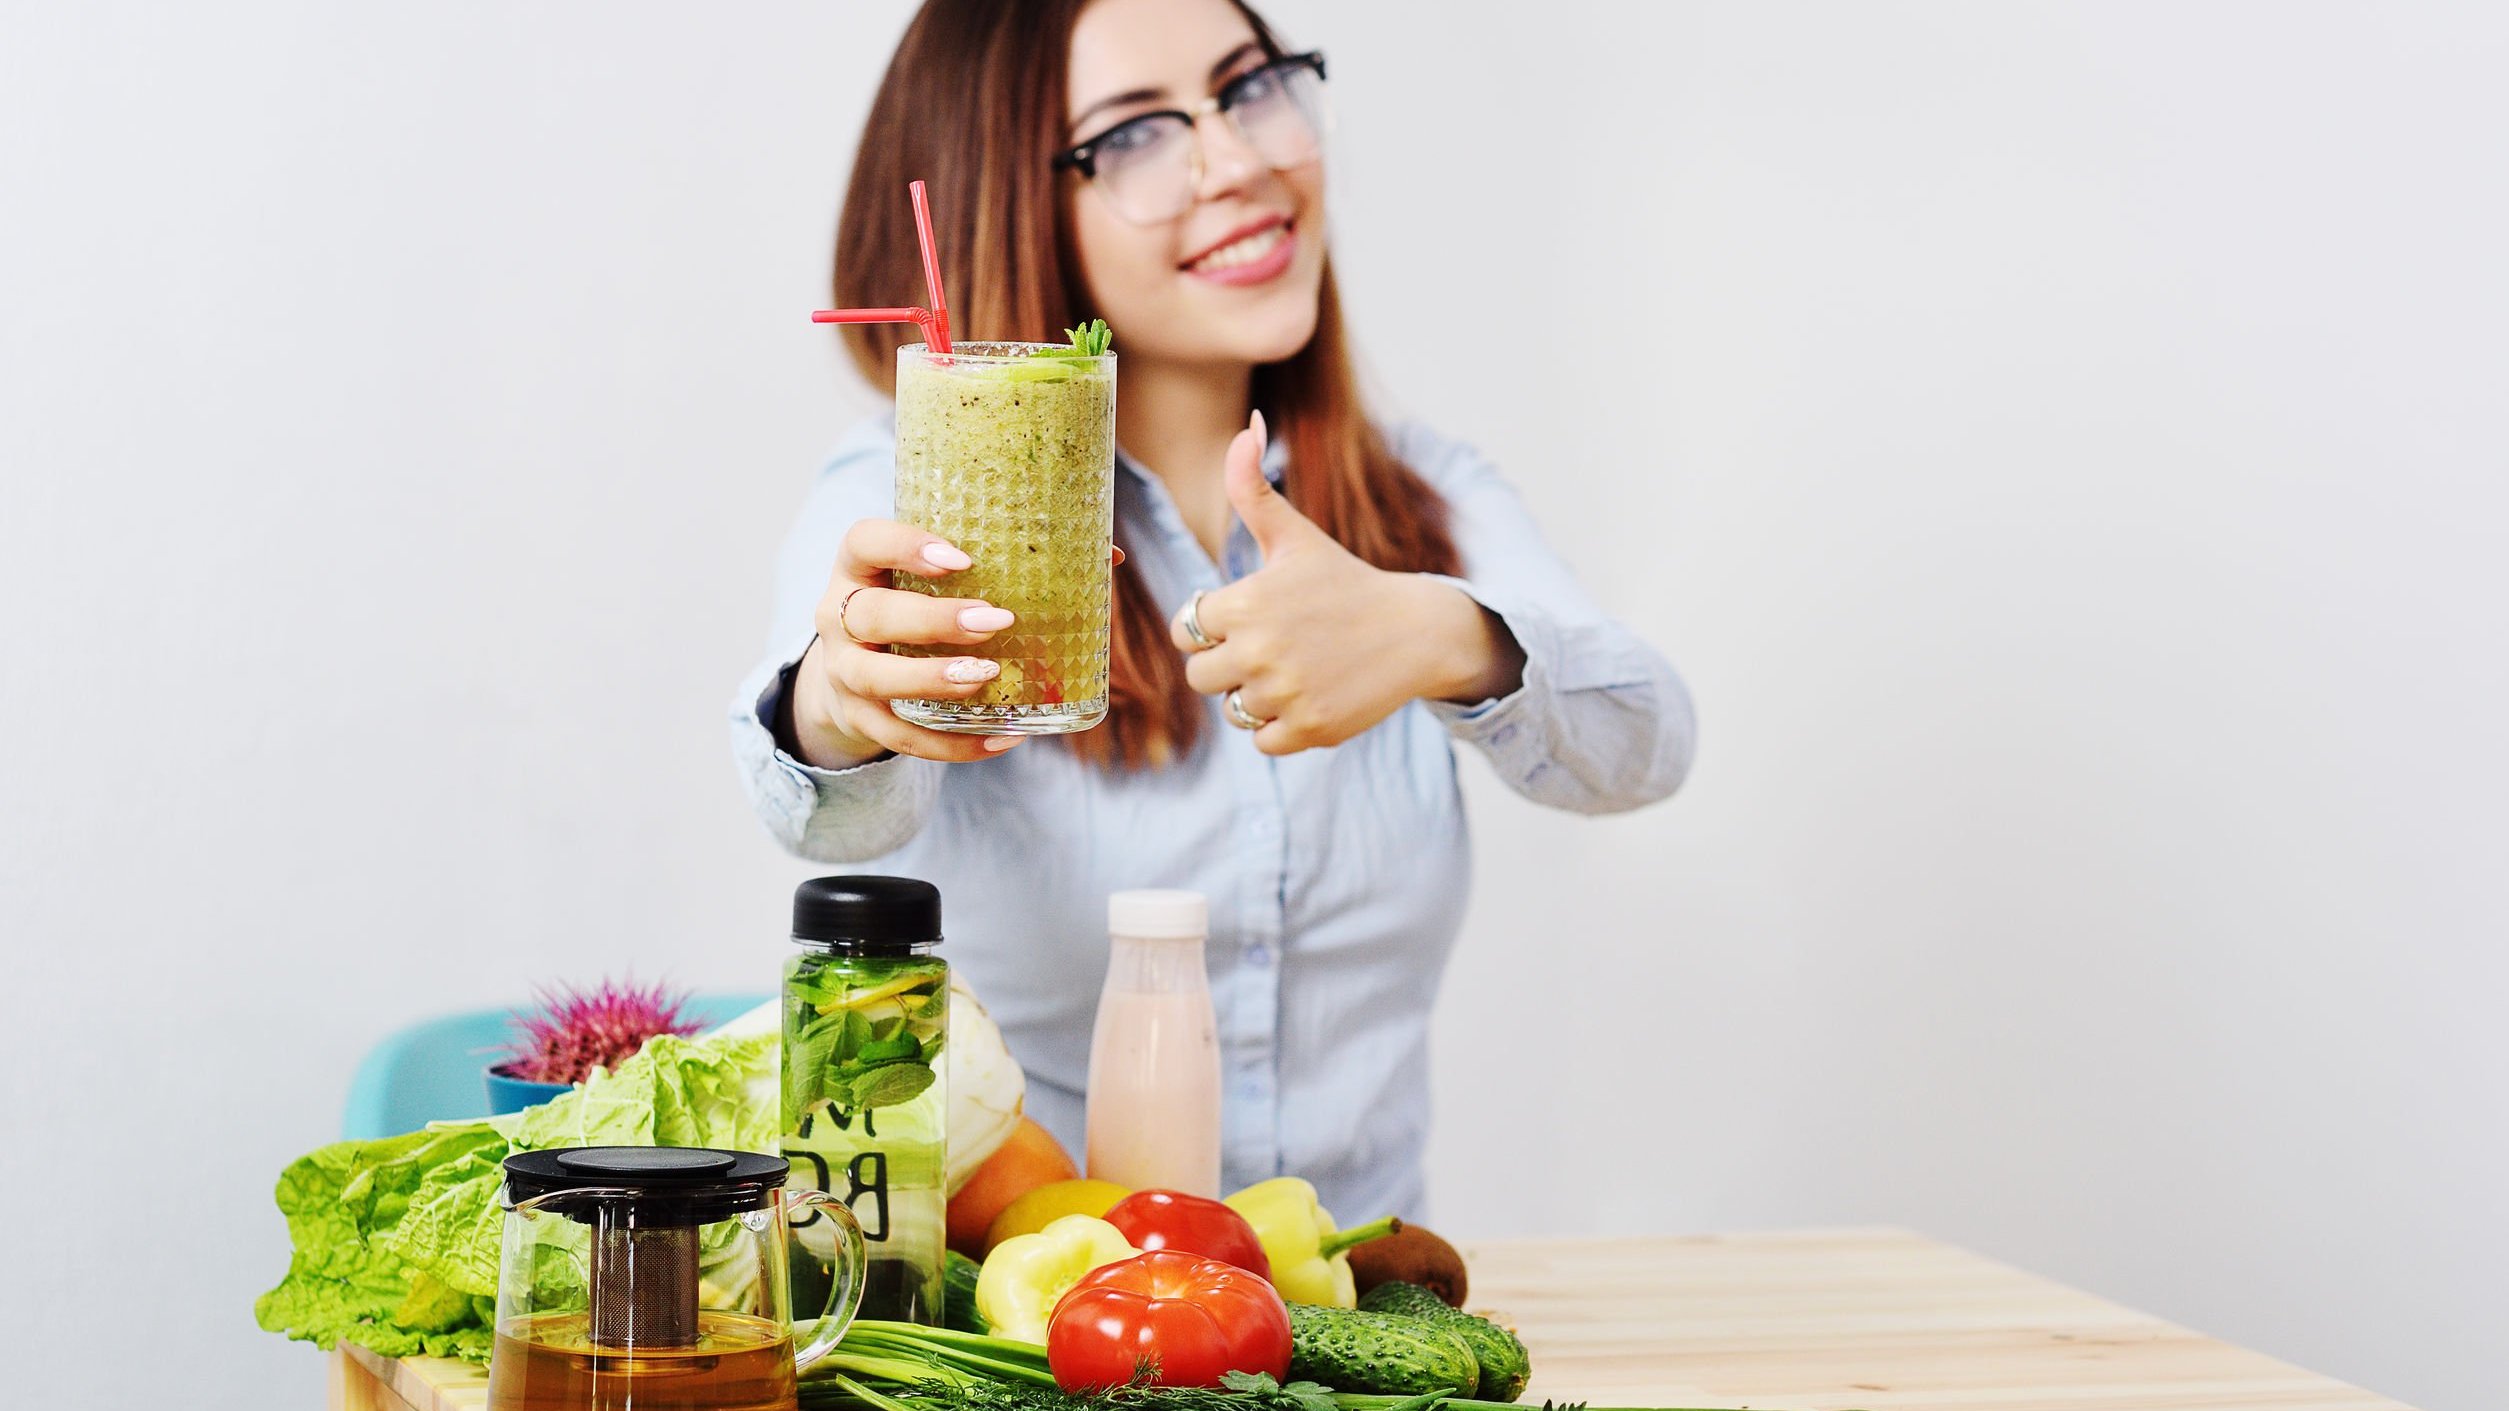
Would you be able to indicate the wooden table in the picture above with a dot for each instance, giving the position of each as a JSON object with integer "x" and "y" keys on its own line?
{"x": 1816, "y": 1320}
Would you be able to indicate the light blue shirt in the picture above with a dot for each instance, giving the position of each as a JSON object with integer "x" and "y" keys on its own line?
{"x": 1337, "y": 877}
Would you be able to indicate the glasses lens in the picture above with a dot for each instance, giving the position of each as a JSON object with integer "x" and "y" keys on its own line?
{"x": 1279, "y": 110}
{"x": 1146, "y": 167}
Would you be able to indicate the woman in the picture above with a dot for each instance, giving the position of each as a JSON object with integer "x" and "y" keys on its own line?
{"x": 1367, "y": 597}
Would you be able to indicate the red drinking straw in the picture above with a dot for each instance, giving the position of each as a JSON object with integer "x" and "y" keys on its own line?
{"x": 938, "y": 334}
{"x": 934, "y": 321}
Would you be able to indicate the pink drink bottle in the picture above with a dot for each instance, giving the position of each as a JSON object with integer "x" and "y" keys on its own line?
{"x": 1154, "y": 1062}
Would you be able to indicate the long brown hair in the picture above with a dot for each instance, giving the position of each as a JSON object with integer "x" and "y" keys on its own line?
{"x": 973, "y": 103}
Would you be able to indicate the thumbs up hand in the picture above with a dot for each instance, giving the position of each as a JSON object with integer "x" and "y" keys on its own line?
{"x": 1277, "y": 526}
{"x": 1318, "y": 645}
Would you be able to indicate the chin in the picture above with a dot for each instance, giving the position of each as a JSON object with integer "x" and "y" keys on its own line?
{"x": 1202, "y": 329}
{"x": 1277, "y": 335}
{"x": 1280, "y": 350}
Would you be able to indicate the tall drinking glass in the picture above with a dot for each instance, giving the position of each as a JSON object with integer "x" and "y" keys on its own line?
{"x": 1007, "y": 450}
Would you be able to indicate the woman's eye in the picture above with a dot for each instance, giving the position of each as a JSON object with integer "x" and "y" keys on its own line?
{"x": 1129, "y": 139}
{"x": 1257, "y": 86}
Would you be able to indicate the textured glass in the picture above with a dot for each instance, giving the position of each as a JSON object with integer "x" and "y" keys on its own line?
{"x": 1011, "y": 457}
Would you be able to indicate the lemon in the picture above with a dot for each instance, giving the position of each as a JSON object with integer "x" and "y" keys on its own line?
{"x": 1038, "y": 1208}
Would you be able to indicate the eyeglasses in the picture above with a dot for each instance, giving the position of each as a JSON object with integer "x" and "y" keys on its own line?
{"x": 1149, "y": 167}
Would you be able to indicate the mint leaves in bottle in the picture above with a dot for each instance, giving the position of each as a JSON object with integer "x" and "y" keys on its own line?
{"x": 865, "y": 1104}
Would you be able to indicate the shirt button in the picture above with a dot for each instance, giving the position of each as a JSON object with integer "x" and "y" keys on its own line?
{"x": 1259, "y": 953}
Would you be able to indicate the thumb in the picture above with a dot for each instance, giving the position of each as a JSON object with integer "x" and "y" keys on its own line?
{"x": 1275, "y": 523}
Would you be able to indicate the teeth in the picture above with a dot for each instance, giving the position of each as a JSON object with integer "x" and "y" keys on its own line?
{"x": 1253, "y": 247}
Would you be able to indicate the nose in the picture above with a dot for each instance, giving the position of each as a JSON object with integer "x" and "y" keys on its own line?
{"x": 1228, "y": 163}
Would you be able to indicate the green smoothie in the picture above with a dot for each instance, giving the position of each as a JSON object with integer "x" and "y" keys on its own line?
{"x": 1007, "y": 450}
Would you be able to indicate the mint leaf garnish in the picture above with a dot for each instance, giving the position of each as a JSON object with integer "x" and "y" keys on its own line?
{"x": 1090, "y": 340}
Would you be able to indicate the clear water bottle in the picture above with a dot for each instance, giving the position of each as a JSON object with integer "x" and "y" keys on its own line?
{"x": 865, "y": 1107}
{"x": 1154, "y": 1061}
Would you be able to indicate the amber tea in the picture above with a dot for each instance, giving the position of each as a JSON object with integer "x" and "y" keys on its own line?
{"x": 549, "y": 1362}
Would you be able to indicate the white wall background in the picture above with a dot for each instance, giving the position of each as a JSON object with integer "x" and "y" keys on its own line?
{"x": 2063, "y": 444}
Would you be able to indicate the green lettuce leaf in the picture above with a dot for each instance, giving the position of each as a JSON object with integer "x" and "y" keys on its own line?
{"x": 396, "y": 1240}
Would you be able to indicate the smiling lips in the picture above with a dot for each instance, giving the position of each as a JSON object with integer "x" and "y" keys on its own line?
{"x": 1253, "y": 255}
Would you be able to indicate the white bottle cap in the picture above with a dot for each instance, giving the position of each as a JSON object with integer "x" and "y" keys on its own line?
{"x": 1159, "y": 915}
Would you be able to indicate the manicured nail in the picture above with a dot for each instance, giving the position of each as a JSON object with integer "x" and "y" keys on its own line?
{"x": 1262, "y": 436}
{"x": 945, "y": 557}
{"x": 984, "y": 619}
{"x": 995, "y": 744}
{"x": 967, "y": 671}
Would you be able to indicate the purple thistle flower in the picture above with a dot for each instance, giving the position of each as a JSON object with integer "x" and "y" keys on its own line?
{"x": 576, "y": 1031}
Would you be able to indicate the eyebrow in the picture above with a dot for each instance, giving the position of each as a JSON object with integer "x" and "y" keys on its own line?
{"x": 1227, "y": 61}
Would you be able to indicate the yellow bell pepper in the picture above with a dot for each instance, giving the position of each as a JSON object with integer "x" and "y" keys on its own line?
{"x": 1026, "y": 1275}
{"x": 1310, "y": 1259}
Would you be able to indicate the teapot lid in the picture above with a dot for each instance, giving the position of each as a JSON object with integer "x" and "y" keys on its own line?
{"x": 646, "y": 1186}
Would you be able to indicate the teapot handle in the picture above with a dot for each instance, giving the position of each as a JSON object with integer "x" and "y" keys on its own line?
{"x": 852, "y": 1262}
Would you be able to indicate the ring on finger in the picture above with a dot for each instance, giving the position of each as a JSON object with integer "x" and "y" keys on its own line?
{"x": 1233, "y": 705}
{"x": 841, "y": 624}
{"x": 1203, "y": 641}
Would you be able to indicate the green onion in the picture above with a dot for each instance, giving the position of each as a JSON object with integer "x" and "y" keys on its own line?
{"x": 886, "y": 1366}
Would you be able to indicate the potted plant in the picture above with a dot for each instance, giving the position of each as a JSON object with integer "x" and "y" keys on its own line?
{"x": 575, "y": 1031}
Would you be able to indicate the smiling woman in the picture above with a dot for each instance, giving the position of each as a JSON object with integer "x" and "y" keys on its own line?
{"x": 1240, "y": 281}
{"x": 1254, "y": 261}
{"x": 1352, "y": 599}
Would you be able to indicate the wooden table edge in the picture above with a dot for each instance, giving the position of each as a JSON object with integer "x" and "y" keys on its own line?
{"x": 364, "y": 1380}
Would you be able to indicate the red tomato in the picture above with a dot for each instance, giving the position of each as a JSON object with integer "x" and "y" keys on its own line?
{"x": 1185, "y": 1318}
{"x": 1175, "y": 1220}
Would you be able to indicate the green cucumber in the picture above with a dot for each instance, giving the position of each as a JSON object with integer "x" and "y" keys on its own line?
{"x": 958, "y": 1294}
{"x": 1378, "y": 1354}
{"x": 1505, "y": 1365}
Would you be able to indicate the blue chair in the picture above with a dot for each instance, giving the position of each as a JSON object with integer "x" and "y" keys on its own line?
{"x": 430, "y": 1071}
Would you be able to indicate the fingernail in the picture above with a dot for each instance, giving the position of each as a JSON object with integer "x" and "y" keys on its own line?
{"x": 995, "y": 744}
{"x": 1262, "y": 436}
{"x": 946, "y": 557}
{"x": 967, "y": 671}
{"x": 984, "y": 619}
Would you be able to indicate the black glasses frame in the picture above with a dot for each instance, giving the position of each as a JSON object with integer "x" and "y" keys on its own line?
{"x": 1083, "y": 158}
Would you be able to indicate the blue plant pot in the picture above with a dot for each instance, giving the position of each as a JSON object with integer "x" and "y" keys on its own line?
{"x": 510, "y": 1094}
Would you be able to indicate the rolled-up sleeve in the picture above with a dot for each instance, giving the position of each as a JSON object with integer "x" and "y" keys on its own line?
{"x": 828, "y": 815}
{"x": 1600, "y": 721}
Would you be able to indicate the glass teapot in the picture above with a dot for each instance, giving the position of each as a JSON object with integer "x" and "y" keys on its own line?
{"x": 655, "y": 1277}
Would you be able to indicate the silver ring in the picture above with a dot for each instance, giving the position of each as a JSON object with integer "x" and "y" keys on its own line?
{"x": 1233, "y": 705}
{"x": 1202, "y": 640}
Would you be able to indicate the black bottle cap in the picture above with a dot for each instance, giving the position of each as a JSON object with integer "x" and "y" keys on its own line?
{"x": 867, "y": 915}
{"x": 646, "y": 1186}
